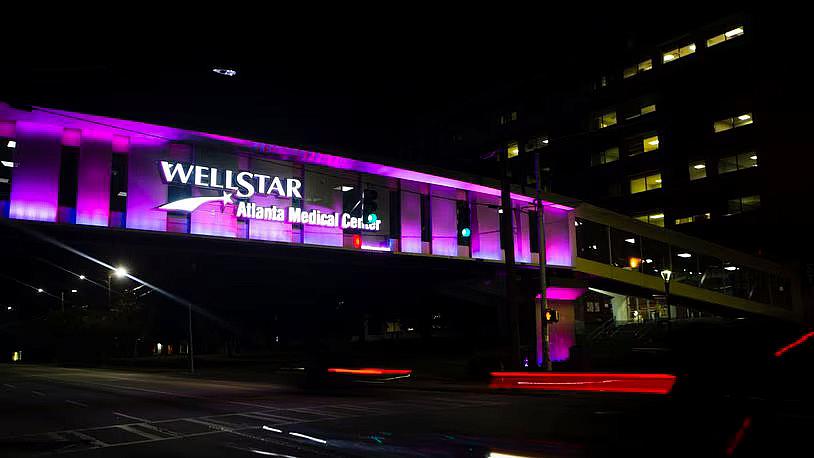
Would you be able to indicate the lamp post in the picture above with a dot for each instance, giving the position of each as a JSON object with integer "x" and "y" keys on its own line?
{"x": 666, "y": 275}
{"x": 119, "y": 272}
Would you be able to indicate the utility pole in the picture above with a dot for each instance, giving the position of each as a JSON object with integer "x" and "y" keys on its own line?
{"x": 542, "y": 341}
{"x": 507, "y": 237}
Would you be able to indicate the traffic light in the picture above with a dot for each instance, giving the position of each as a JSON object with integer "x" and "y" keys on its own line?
{"x": 464, "y": 218}
{"x": 357, "y": 241}
{"x": 552, "y": 315}
{"x": 369, "y": 206}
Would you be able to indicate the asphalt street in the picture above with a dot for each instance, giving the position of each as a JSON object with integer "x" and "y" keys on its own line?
{"x": 92, "y": 412}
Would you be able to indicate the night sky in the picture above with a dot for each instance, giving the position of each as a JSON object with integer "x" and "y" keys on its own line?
{"x": 366, "y": 88}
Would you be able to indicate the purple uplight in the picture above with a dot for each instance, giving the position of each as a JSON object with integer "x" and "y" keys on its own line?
{"x": 93, "y": 190}
{"x": 35, "y": 187}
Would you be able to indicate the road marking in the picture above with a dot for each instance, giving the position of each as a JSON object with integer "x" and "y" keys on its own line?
{"x": 130, "y": 417}
{"x": 138, "y": 432}
{"x": 96, "y": 442}
{"x": 38, "y": 393}
{"x": 76, "y": 403}
{"x": 9, "y": 385}
{"x": 311, "y": 438}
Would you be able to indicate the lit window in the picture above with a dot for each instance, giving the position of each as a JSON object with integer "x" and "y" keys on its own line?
{"x": 656, "y": 219}
{"x": 743, "y": 204}
{"x": 651, "y": 143}
{"x": 606, "y": 156}
{"x": 645, "y": 183}
{"x": 634, "y": 70}
{"x": 737, "y": 162}
{"x": 514, "y": 116}
{"x": 734, "y": 33}
{"x": 694, "y": 218}
{"x": 514, "y": 150}
{"x": 698, "y": 170}
{"x": 606, "y": 120}
{"x": 731, "y": 123}
{"x": 642, "y": 111}
{"x": 678, "y": 53}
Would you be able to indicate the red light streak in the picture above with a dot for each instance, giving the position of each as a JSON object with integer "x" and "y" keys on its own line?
{"x": 738, "y": 437}
{"x": 797, "y": 342}
{"x": 574, "y": 381}
{"x": 370, "y": 371}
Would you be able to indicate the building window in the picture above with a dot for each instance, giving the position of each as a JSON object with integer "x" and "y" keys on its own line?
{"x": 634, "y": 70}
{"x": 731, "y": 123}
{"x": 657, "y": 219}
{"x": 693, "y": 219}
{"x": 743, "y": 204}
{"x": 737, "y": 162}
{"x": 643, "y": 110}
{"x": 535, "y": 143}
{"x": 7, "y": 147}
{"x": 734, "y": 33}
{"x": 606, "y": 120}
{"x": 118, "y": 190}
{"x": 514, "y": 150}
{"x": 606, "y": 156}
{"x": 645, "y": 183}
{"x": 678, "y": 53}
{"x": 698, "y": 170}
{"x": 650, "y": 143}
{"x": 68, "y": 184}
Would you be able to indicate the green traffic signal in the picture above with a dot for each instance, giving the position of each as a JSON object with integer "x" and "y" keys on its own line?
{"x": 465, "y": 232}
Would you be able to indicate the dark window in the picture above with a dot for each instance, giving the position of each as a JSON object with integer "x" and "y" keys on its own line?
{"x": 68, "y": 179}
{"x": 178, "y": 221}
{"x": 395, "y": 214}
{"x": 118, "y": 183}
{"x": 426, "y": 231}
{"x": 7, "y": 147}
{"x": 592, "y": 241}
{"x": 534, "y": 244}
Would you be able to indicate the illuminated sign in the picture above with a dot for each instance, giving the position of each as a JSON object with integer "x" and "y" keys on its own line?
{"x": 245, "y": 183}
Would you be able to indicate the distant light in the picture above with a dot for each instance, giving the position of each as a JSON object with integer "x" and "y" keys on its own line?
{"x": 545, "y": 141}
{"x": 39, "y": 290}
{"x": 120, "y": 272}
{"x": 372, "y": 218}
{"x": 730, "y": 268}
{"x": 699, "y": 166}
{"x": 744, "y": 117}
{"x": 658, "y": 181}
{"x": 634, "y": 262}
{"x": 754, "y": 158}
{"x": 684, "y": 255}
{"x": 225, "y": 71}
{"x": 648, "y": 260}
{"x": 8, "y": 163}
{"x": 692, "y": 47}
{"x": 357, "y": 241}
{"x": 269, "y": 428}
{"x": 500, "y": 210}
{"x": 734, "y": 32}
{"x": 666, "y": 274}
{"x": 466, "y": 232}
{"x": 657, "y": 216}
{"x": 9, "y": 308}
{"x": 344, "y": 188}
{"x": 81, "y": 277}
{"x": 630, "y": 240}
{"x": 11, "y": 144}
{"x": 122, "y": 194}
{"x": 74, "y": 291}
{"x": 653, "y": 142}
{"x": 669, "y": 57}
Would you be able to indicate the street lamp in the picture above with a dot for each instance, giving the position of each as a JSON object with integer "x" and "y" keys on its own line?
{"x": 666, "y": 275}
{"x": 119, "y": 272}
{"x": 81, "y": 277}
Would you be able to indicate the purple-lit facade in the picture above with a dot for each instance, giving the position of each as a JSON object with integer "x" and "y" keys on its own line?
{"x": 418, "y": 211}
{"x": 41, "y": 137}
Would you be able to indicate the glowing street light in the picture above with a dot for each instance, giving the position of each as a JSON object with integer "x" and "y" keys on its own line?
{"x": 81, "y": 277}
{"x": 120, "y": 272}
